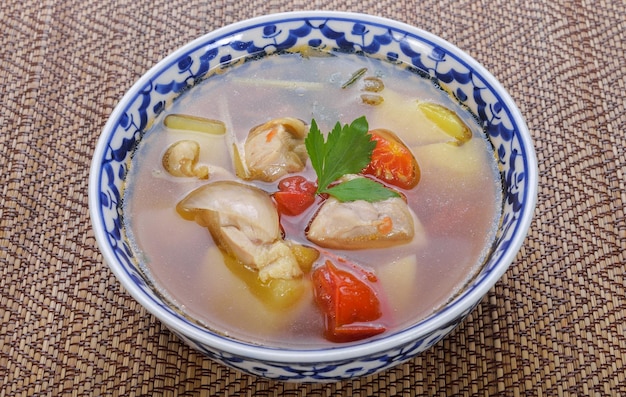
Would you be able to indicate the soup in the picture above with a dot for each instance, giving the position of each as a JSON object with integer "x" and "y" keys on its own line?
{"x": 438, "y": 228}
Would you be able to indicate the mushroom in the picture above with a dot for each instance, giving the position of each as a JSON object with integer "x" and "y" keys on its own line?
{"x": 275, "y": 148}
{"x": 181, "y": 159}
{"x": 361, "y": 224}
{"x": 244, "y": 223}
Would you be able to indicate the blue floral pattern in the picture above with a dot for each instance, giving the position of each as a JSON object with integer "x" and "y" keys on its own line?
{"x": 346, "y": 33}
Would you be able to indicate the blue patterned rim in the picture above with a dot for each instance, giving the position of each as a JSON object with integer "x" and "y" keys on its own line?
{"x": 361, "y": 34}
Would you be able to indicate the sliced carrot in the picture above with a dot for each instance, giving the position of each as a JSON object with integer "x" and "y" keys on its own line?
{"x": 385, "y": 226}
{"x": 271, "y": 134}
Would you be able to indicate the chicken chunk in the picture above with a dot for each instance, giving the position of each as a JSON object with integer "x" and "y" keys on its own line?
{"x": 244, "y": 223}
{"x": 360, "y": 224}
{"x": 275, "y": 149}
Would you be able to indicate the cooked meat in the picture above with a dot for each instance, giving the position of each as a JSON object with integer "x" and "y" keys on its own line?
{"x": 361, "y": 224}
{"x": 275, "y": 148}
{"x": 244, "y": 223}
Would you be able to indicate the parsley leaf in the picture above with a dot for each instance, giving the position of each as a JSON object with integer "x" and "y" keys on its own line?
{"x": 354, "y": 189}
{"x": 316, "y": 149}
{"x": 347, "y": 150}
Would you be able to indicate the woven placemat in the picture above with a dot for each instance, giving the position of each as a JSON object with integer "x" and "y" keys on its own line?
{"x": 553, "y": 325}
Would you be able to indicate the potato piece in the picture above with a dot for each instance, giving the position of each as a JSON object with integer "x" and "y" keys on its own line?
{"x": 242, "y": 301}
{"x": 408, "y": 122}
{"x": 399, "y": 280}
{"x": 457, "y": 161}
{"x": 305, "y": 256}
{"x": 276, "y": 293}
{"x": 419, "y": 122}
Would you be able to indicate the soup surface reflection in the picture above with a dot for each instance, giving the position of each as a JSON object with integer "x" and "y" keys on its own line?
{"x": 456, "y": 204}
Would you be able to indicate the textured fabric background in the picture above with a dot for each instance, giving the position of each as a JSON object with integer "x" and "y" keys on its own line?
{"x": 553, "y": 325}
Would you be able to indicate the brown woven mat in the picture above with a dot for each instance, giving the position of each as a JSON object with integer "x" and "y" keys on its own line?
{"x": 553, "y": 325}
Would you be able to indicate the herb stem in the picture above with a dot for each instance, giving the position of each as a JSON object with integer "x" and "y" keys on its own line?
{"x": 354, "y": 78}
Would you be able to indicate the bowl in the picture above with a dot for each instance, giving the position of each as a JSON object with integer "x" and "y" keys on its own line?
{"x": 466, "y": 80}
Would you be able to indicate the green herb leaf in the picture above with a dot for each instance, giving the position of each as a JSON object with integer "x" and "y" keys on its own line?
{"x": 347, "y": 150}
{"x": 314, "y": 143}
{"x": 361, "y": 189}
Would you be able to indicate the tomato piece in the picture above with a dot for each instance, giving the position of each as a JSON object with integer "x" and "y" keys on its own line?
{"x": 348, "y": 303}
{"x": 392, "y": 162}
{"x": 297, "y": 183}
{"x": 293, "y": 203}
{"x": 295, "y": 194}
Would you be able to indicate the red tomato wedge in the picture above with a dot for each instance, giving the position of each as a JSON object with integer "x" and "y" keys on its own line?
{"x": 348, "y": 303}
{"x": 293, "y": 203}
{"x": 392, "y": 162}
{"x": 295, "y": 194}
{"x": 297, "y": 183}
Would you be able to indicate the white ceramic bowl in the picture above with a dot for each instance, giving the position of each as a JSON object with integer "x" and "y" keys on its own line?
{"x": 348, "y": 32}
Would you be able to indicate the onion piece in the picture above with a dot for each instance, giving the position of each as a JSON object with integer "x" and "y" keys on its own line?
{"x": 194, "y": 123}
{"x": 448, "y": 121}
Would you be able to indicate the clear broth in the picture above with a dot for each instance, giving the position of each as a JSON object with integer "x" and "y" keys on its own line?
{"x": 457, "y": 201}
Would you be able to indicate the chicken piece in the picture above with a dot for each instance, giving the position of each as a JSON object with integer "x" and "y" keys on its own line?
{"x": 181, "y": 160}
{"x": 244, "y": 223}
{"x": 360, "y": 224}
{"x": 275, "y": 148}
